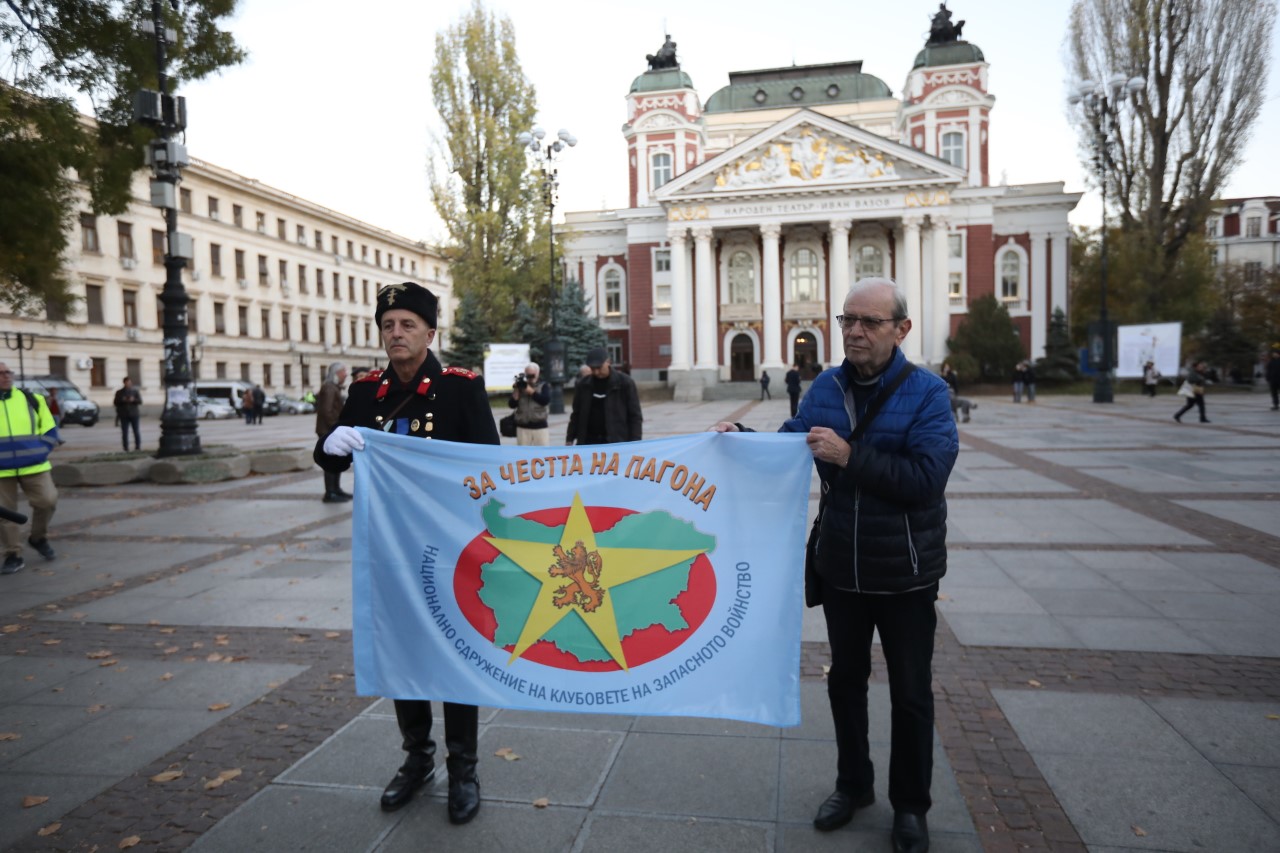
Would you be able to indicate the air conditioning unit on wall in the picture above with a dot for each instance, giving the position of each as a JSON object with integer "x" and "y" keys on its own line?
{"x": 128, "y": 263}
{"x": 131, "y": 334}
{"x": 243, "y": 282}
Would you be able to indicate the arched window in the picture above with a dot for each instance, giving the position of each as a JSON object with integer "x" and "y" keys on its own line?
{"x": 869, "y": 262}
{"x": 1010, "y": 277}
{"x": 804, "y": 276}
{"x": 953, "y": 148}
{"x": 742, "y": 279}
{"x": 612, "y": 293}
{"x": 661, "y": 163}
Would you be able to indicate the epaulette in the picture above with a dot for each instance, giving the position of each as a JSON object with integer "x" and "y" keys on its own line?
{"x": 374, "y": 375}
{"x": 459, "y": 371}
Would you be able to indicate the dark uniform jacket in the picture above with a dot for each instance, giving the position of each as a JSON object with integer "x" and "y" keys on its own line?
{"x": 448, "y": 404}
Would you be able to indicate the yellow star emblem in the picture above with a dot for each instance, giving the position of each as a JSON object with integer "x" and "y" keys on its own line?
{"x": 577, "y": 577}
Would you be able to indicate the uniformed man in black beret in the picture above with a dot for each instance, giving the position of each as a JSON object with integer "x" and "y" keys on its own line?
{"x": 416, "y": 396}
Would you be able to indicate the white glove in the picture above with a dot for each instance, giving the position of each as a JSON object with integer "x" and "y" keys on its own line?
{"x": 342, "y": 441}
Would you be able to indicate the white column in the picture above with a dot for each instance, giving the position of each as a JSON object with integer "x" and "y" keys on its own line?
{"x": 1039, "y": 294}
{"x": 975, "y": 146}
{"x": 771, "y": 288}
{"x": 681, "y": 307}
{"x": 838, "y": 286}
{"x": 705, "y": 339}
{"x": 910, "y": 280}
{"x": 1058, "y": 277}
{"x": 939, "y": 328}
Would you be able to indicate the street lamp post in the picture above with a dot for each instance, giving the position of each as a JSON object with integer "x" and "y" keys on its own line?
{"x": 545, "y": 155}
{"x": 1098, "y": 103}
{"x": 167, "y": 114}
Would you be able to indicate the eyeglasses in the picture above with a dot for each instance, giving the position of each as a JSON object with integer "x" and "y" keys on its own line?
{"x": 869, "y": 324}
{"x": 531, "y": 376}
{"x": 6, "y": 372}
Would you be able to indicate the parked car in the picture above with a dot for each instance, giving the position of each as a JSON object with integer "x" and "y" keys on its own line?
{"x": 75, "y": 406}
{"x": 208, "y": 409}
{"x": 292, "y": 405}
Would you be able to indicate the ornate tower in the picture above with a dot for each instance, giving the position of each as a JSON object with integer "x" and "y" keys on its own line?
{"x": 945, "y": 104}
{"x": 664, "y": 129}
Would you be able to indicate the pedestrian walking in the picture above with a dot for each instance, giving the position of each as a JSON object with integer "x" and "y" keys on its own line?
{"x": 764, "y": 385}
{"x": 1273, "y": 377}
{"x": 246, "y": 406}
{"x": 27, "y": 436}
{"x": 963, "y": 405}
{"x": 1150, "y": 378}
{"x": 880, "y": 549}
{"x": 606, "y": 407}
{"x": 792, "y": 380}
{"x": 128, "y": 402}
{"x": 415, "y": 396}
{"x": 329, "y": 404}
{"x": 259, "y": 403}
{"x": 1193, "y": 389}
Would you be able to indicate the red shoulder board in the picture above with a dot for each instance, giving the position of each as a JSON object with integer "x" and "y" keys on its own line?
{"x": 458, "y": 371}
{"x": 374, "y": 375}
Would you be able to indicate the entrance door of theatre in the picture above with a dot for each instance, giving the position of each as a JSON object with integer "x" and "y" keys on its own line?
{"x": 742, "y": 362}
{"x": 806, "y": 355}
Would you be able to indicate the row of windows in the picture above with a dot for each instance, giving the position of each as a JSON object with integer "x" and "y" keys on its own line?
{"x": 100, "y": 372}
{"x": 1252, "y": 226}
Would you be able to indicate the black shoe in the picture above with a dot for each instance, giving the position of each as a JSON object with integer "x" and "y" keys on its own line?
{"x": 464, "y": 791}
{"x": 43, "y": 548}
{"x": 1178, "y": 418}
{"x": 12, "y": 563}
{"x": 1205, "y": 420}
{"x": 416, "y": 772}
{"x": 336, "y": 497}
{"x": 910, "y": 833}
{"x": 839, "y": 808}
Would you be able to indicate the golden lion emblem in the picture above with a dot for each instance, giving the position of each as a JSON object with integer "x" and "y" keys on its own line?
{"x": 583, "y": 571}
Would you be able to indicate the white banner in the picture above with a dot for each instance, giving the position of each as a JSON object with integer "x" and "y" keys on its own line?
{"x": 1158, "y": 342}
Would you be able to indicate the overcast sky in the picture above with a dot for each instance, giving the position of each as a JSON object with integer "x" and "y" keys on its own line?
{"x": 334, "y": 101}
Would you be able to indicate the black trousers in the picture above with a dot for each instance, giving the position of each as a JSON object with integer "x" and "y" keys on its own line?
{"x": 1197, "y": 400}
{"x": 461, "y": 724}
{"x": 906, "y": 622}
{"x": 128, "y": 422}
{"x": 795, "y": 401}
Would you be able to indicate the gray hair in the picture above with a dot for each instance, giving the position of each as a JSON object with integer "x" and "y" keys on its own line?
{"x": 899, "y": 295}
{"x": 331, "y": 375}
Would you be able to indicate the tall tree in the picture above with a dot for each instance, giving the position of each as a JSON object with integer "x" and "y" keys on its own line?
{"x": 576, "y": 326}
{"x": 987, "y": 340}
{"x": 54, "y": 51}
{"x": 480, "y": 182}
{"x": 472, "y": 332}
{"x": 1203, "y": 61}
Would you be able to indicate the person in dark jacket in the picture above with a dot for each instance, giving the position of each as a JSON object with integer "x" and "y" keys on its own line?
{"x": 329, "y": 404}
{"x": 1273, "y": 377}
{"x": 128, "y": 402}
{"x": 764, "y": 385}
{"x": 415, "y": 396}
{"x": 881, "y": 550}
{"x": 1197, "y": 376}
{"x": 606, "y": 407}
{"x": 531, "y": 398}
{"x": 792, "y": 381}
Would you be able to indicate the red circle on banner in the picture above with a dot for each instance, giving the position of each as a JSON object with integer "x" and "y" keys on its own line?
{"x": 639, "y": 647}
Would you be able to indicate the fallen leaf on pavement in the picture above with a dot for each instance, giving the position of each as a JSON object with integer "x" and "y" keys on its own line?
{"x": 297, "y": 638}
{"x": 197, "y": 645}
{"x": 93, "y": 709}
{"x": 219, "y": 706}
{"x": 99, "y": 654}
{"x": 131, "y": 841}
{"x": 167, "y": 776}
{"x": 332, "y": 635}
{"x": 541, "y": 803}
{"x": 10, "y": 629}
{"x": 111, "y": 662}
{"x": 1034, "y": 683}
{"x": 1139, "y": 831}
{"x": 79, "y": 614}
{"x": 942, "y": 596}
{"x": 336, "y": 676}
{"x": 170, "y": 650}
{"x": 29, "y": 802}
{"x": 223, "y": 777}
{"x": 48, "y": 830}
{"x": 282, "y": 727}
{"x": 168, "y": 630}
{"x": 1273, "y": 716}
{"x": 214, "y": 657}
{"x": 507, "y": 753}
{"x": 9, "y": 736}
{"x": 166, "y": 676}
{"x": 52, "y": 642}
{"x": 115, "y": 627}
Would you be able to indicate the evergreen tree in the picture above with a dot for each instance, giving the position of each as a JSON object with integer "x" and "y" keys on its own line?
{"x": 576, "y": 327}
{"x": 55, "y": 49}
{"x": 471, "y": 334}
{"x": 987, "y": 336}
{"x": 1223, "y": 345}
{"x": 1061, "y": 359}
{"x": 526, "y": 328}
{"x": 481, "y": 184}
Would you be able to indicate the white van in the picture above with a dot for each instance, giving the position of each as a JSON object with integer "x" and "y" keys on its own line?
{"x": 230, "y": 391}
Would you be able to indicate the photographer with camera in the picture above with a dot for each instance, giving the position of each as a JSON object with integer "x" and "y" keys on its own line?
{"x": 530, "y": 397}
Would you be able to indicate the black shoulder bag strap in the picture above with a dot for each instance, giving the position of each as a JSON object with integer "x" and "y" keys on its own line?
{"x": 812, "y": 589}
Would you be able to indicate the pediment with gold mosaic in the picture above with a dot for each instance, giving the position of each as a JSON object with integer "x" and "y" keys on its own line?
{"x": 806, "y": 156}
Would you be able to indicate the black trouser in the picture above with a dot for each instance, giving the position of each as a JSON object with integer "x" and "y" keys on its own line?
{"x": 795, "y": 400}
{"x": 1275, "y": 395}
{"x": 1197, "y": 400}
{"x": 906, "y": 622}
{"x": 1149, "y": 390}
{"x": 127, "y": 421}
{"x": 332, "y": 482}
{"x": 461, "y": 724}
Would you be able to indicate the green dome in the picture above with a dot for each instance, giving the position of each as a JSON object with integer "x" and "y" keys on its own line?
{"x": 661, "y": 80}
{"x": 797, "y": 86}
{"x": 953, "y": 53}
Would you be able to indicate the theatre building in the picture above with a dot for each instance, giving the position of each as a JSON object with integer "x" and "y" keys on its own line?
{"x": 751, "y": 214}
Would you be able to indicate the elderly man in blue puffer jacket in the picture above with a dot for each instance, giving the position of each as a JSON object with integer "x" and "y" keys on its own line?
{"x": 881, "y": 549}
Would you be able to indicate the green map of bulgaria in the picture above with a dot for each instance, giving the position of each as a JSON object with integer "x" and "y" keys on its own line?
{"x": 585, "y": 591}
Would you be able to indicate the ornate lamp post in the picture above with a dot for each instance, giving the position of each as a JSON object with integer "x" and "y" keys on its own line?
{"x": 545, "y": 155}
{"x": 1098, "y": 105}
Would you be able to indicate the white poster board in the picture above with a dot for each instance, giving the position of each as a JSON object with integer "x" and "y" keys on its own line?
{"x": 1158, "y": 342}
{"x": 501, "y": 364}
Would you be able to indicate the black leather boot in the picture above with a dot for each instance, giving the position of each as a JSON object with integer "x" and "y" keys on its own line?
{"x": 461, "y": 728}
{"x": 417, "y": 770}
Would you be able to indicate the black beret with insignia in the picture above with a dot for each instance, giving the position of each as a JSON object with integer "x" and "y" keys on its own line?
{"x": 410, "y": 297}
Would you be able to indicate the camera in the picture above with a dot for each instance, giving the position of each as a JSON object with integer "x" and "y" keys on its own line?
{"x": 521, "y": 384}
